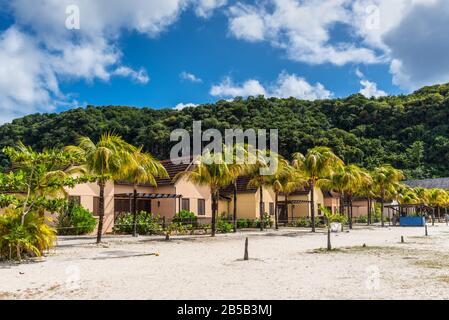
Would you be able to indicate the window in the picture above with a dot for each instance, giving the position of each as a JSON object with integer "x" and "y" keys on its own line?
{"x": 201, "y": 207}
{"x": 96, "y": 206}
{"x": 271, "y": 208}
{"x": 75, "y": 200}
{"x": 122, "y": 205}
{"x": 185, "y": 204}
{"x": 144, "y": 205}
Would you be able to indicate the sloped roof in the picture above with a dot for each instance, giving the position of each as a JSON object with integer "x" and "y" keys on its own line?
{"x": 441, "y": 183}
{"x": 242, "y": 187}
{"x": 172, "y": 170}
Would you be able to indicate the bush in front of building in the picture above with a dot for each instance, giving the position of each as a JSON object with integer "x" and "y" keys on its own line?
{"x": 75, "y": 220}
{"x": 147, "y": 224}
{"x": 361, "y": 219}
{"x": 245, "y": 223}
{"x": 186, "y": 218}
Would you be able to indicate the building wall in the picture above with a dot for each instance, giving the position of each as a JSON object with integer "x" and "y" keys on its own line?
{"x": 333, "y": 202}
{"x": 360, "y": 208}
{"x": 194, "y": 192}
{"x": 87, "y": 192}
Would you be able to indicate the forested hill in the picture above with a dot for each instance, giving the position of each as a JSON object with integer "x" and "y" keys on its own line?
{"x": 410, "y": 132}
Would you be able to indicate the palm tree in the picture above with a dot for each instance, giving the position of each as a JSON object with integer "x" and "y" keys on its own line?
{"x": 238, "y": 167}
{"x": 435, "y": 198}
{"x": 347, "y": 180}
{"x": 104, "y": 161}
{"x": 142, "y": 169}
{"x": 258, "y": 179}
{"x": 211, "y": 170}
{"x": 365, "y": 190}
{"x": 317, "y": 164}
{"x": 386, "y": 180}
{"x": 285, "y": 180}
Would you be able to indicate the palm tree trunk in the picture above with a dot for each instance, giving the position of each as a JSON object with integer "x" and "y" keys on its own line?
{"x": 214, "y": 213}
{"x": 101, "y": 184}
{"x": 382, "y": 208}
{"x": 433, "y": 216}
{"x": 329, "y": 246}
{"x": 312, "y": 204}
{"x": 135, "y": 212}
{"x": 286, "y": 210}
{"x": 276, "y": 226}
{"x": 350, "y": 211}
{"x": 342, "y": 200}
{"x": 235, "y": 206}
{"x": 261, "y": 213}
{"x": 369, "y": 211}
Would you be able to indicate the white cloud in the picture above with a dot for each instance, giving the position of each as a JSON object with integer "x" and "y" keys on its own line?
{"x": 287, "y": 85}
{"x": 370, "y": 89}
{"x": 409, "y": 35}
{"x": 228, "y": 89}
{"x": 47, "y": 52}
{"x": 189, "y": 77}
{"x": 303, "y": 29}
{"x": 204, "y": 8}
{"x": 140, "y": 76}
{"x": 290, "y": 85}
{"x": 181, "y": 106}
{"x": 27, "y": 78}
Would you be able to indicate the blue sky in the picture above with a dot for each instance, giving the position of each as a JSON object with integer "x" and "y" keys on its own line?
{"x": 135, "y": 53}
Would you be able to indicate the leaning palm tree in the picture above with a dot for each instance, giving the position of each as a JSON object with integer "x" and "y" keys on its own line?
{"x": 105, "y": 161}
{"x": 386, "y": 181}
{"x": 317, "y": 164}
{"x": 211, "y": 170}
{"x": 143, "y": 168}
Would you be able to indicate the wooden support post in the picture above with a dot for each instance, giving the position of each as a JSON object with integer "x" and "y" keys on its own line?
{"x": 246, "y": 257}
{"x": 425, "y": 227}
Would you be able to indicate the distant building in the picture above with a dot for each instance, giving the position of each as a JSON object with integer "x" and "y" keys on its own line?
{"x": 440, "y": 183}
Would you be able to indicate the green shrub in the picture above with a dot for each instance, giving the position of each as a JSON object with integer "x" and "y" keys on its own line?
{"x": 146, "y": 223}
{"x": 186, "y": 217}
{"x": 361, "y": 219}
{"x": 245, "y": 223}
{"x": 75, "y": 220}
{"x": 224, "y": 226}
{"x": 29, "y": 239}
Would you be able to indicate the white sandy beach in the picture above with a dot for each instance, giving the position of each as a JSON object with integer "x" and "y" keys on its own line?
{"x": 282, "y": 265}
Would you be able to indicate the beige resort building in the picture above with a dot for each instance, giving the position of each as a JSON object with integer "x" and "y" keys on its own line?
{"x": 170, "y": 197}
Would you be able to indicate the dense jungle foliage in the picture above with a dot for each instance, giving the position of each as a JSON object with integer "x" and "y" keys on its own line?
{"x": 410, "y": 132}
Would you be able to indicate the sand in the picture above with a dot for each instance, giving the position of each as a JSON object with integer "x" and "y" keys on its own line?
{"x": 284, "y": 264}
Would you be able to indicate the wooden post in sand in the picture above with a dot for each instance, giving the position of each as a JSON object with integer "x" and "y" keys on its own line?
{"x": 245, "y": 257}
{"x": 425, "y": 226}
{"x": 402, "y": 239}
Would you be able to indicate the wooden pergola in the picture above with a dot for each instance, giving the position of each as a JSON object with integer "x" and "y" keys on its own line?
{"x": 403, "y": 210}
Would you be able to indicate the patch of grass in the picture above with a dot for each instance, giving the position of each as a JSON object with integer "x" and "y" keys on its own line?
{"x": 444, "y": 279}
{"x": 324, "y": 250}
{"x": 432, "y": 264}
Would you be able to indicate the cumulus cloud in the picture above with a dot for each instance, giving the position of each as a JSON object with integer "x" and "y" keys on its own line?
{"x": 181, "y": 106}
{"x": 189, "y": 77}
{"x": 228, "y": 89}
{"x": 205, "y": 8}
{"x": 409, "y": 35}
{"x": 419, "y": 45}
{"x": 38, "y": 52}
{"x": 287, "y": 85}
{"x": 303, "y": 29}
{"x": 140, "y": 76}
{"x": 369, "y": 89}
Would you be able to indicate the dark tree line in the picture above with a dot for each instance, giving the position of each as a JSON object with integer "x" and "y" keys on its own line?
{"x": 410, "y": 132}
